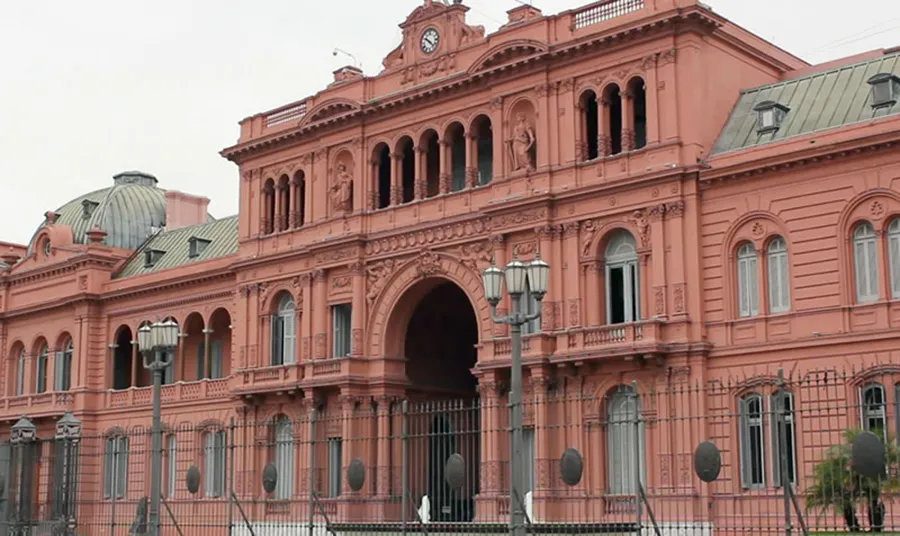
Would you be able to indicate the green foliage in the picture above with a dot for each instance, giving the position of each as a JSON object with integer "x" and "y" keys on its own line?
{"x": 835, "y": 485}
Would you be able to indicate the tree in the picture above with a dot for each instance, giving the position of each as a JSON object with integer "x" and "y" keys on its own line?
{"x": 836, "y": 485}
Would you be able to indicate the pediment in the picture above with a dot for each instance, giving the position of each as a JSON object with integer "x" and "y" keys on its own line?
{"x": 426, "y": 11}
{"x": 330, "y": 109}
{"x": 508, "y": 53}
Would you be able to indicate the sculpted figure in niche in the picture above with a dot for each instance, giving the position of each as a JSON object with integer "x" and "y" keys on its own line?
{"x": 342, "y": 190}
{"x": 521, "y": 144}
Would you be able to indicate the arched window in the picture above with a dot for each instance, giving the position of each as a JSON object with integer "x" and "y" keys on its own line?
{"x": 590, "y": 124}
{"x": 784, "y": 416}
{"x": 613, "y": 103}
{"x": 41, "y": 370}
{"x": 623, "y": 446}
{"x": 20, "y": 373}
{"x": 284, "y": 324}
{"x": 298, "y": 214}
{"x": 894, "y": 256}
{"x": 874, "y": 414}
{"x": 622, "y": 279}
{"x": 865, "y": 259}
{"x": 748, "y": 287}
{"x": 753, "y": 460}
{"x": 779, "y": 282}
{"x": 268, "y": 207}
{"x": 637, "y": 93}
{"x": 62, "y": 372}
{"x": 284, "y": 458}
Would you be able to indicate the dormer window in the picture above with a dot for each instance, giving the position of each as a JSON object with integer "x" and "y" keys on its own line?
{"x": 885, "y": 90}
{"x": 196, "y": 246}
{"x": 769, "y": 115}
{"x": 151, "y": 257}
{"x": 87, "y": 208}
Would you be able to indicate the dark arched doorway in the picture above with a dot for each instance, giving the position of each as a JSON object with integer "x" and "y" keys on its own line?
{"x": 440, "y": 351}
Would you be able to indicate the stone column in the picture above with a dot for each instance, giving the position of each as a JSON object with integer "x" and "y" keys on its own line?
{"x": 374, "y": 167}
{"x": 627, "y": 120}
{"x": 446, "y": 166}
{"x": 207, "y": 355}
{"x": 179, "y": 359}
{"x": 471, "y": 162}
{"x": 357, "y": 311}
{"x": 421, "y": 185}
{"x": 136, "y": 363}
{"x": 396, "y": 177}
{"x": 295, "y": 203}
{"x": 604, "y": 136}
{"x": 320, "y": 313}
{"x": 279, "y": 207}
{"x": 383, "y": 469}
{"x": 652, "y": 99}
{"x": 492, "y": 453}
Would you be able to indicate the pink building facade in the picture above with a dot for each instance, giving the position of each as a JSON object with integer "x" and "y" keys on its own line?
{"x": 714, "y": 210}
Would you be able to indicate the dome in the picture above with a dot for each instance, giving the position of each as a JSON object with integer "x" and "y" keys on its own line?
{"x": 130, "y": 210}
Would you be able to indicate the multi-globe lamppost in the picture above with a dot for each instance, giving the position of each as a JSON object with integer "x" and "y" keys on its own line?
{"x": 157, "y": 344}
{"x": 519, "y": 276}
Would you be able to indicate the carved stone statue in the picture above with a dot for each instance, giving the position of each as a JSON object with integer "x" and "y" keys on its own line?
{"x": 521, "y": 144}
{"x": 342, "y": 190}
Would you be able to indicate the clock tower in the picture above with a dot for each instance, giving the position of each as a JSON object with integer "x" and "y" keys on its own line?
{"x": 433, "y": 31}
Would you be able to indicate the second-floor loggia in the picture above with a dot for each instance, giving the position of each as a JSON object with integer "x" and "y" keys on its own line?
{"x": 203, "y": 355}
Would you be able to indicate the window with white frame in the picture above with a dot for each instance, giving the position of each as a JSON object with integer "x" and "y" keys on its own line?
{"x": 865, "y": 263}
{"x": 340, "y": 330}
{"x": 43, "y": 362}
{"x": 874, "y": 414}
{"x": 214, "y": 463}
{"x": 284, "y": 458}
{"x": 784, "y": 417}
{"x": 622, "y": 279}
{"x": 115, "y": 468}
{"x": 20, "y": 373}
{"x": 62, "y": 371}
{"x": 530, "y": 305}
{"x": 216, "y": 351}
{"x": 171, "y": 465}
{"x": 753, "y": 460}
{"x": 748, "y": 282}
{"x": 335, "y": 457}
{"x": 284, "y": 332}
{"x": 625, "y": 442}
{"x": 894, "y": 256}
{"x": 528, "y": 456}
{"x": 779, "y": 283}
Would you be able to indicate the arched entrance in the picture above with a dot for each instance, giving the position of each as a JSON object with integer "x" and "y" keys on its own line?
{"x": 439, "y": 347}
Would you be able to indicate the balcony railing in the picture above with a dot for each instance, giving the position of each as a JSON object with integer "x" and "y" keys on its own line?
{"x": 604, "y": 11}
{"x": 37, "y": 402}
{"x": 143, "y": 396}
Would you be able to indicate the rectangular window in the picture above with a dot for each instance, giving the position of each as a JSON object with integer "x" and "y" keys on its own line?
{"x": 751, "y": 442}
{"x": 115, "y": 468}
{"x": 340, "y": 332}
{"x": 41, "y": 374}
{"x": 622, "y": 293}
{"x": 171, "y": 465}
{"x": 866, "y": 270}
{"x": 20, "y": 376}
{"x": 216, "y": 350}
{"x": 277, "y": 340}
{"x": 785, "y": 425}
{"x": 779, "y": 294}
{"x": 215, "y": 464}
{"x": 528, "y": 456}
{"x": 284, "y": 460}
{"x": 335, "y": 457}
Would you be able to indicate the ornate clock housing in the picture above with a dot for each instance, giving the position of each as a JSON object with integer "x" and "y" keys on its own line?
{"x": 430, "y": 40}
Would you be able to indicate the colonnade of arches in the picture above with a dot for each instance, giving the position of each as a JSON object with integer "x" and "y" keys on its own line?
{"x": 433, "y": 164}
{"x": 283, "y": 203}
{"x": 42, "y": 368}
{"x": 203, "y": 352}
{"x": 613, "y": 122}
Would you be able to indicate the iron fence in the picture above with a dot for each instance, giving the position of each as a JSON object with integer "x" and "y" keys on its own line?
{"x": 602, "y": 457}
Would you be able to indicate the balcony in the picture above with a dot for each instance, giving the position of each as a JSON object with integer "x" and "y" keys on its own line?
{"x": 268, "y": 379}
{"x": 617, "y": 340}
{"x": 38, "y": 404}
{"x": 172, "y": 393}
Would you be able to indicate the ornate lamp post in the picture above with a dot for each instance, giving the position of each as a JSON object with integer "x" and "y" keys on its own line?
{"x": 157, "y": 344}
{"x": 517, "y": 275}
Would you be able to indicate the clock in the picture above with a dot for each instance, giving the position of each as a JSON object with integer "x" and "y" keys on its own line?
{"x": 430, "y": 40}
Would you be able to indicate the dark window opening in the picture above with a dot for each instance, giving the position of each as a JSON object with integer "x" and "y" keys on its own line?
{"x": 197, "y": 245}
{"x": 384, "y": 177}
{"x": 300, "y": 185}
{"x": 432, "y": 165}
{"x": 485, "y": 146}
{"x": 591, "y": 126}
{"x": 457, "y": 158}
{"x": 615, "y": 120}
{"x": 268, "y": 226}
{"x": 408, "y": 172}
{"x": 122, "y": 360}
{"x": 639, "y": 105}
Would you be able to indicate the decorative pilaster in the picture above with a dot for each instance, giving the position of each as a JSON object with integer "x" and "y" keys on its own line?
{"x": 498, "y": 249}
{"x": 357, "y": 311}
{"x": 396, "y": 176}
{"x": 445, "y": 176}
{"x": 547, "y": 235}
{"x": 571, "y": 292}
{"x": 421, "y": 184}
{"x": 320, "y": 313}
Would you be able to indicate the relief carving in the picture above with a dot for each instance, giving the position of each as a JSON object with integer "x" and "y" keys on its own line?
{"x": 342, "y": 190}
{"x": 341, "y": 282}
{"x": 377, "y": 276}
{"x": 678, "y": 296}
{"x": 518, "y": 218}
{"x": 475, "y": 254}
{"x": 428, "y": 236}
{"x": 641, "y": 220}
{"x": 676, "y": 208}
{"x": 525, "y": 248}
{"x": 428, "y": 263}
{"x": 588, "y": 231}
{"x": 573, "y": 312}
{"x": 877, "y": 209}
{"x": 659, "y": 300}
{"x": 521, "y": 143}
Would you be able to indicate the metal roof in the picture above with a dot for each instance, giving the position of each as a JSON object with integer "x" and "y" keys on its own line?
{"x": 174, "y": 247}
{"x": 129, "y": 211}
{"x": 817, "y": 102}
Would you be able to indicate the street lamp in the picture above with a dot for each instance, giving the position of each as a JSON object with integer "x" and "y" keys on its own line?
{"x": 156, "y": 344}
{"x": 518, "y": 276}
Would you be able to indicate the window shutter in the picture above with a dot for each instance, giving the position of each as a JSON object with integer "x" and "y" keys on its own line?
{"x": 872, "y": 261}
{"x": 122, "y": 468}
{"x": 59, "y": 366}
{"x": 784, "y": 282}
{"x": 753, "y": 286}
{"x": 894, "y": 252}
{"x": 777, "y": 447}
{"x": 744, "y": 438}
{"x": 201, "y": 365}
{"x": 289, "y": 322}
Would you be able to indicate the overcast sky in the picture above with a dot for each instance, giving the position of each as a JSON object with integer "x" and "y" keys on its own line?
{"x": 94, "y": 87}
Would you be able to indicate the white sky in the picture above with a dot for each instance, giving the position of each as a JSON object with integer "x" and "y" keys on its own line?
{"x": 92, "y": 87}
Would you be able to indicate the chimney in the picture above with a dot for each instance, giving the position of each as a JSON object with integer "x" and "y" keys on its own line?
{"x": 184, "y": 210}
{"x": 522, "y": 13}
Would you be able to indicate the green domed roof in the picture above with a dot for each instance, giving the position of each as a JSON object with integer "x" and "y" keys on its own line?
{"x": 131, "y": 210}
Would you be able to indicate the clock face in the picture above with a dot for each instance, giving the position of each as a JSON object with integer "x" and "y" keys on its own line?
{"x": 430, "y": 40}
